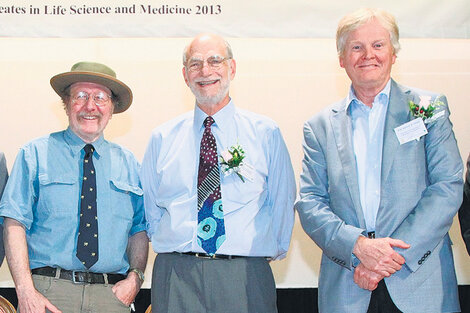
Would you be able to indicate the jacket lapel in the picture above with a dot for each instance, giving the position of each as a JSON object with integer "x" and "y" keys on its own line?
{"x": 398, "y": 113}
{"x": 342, "y": 129}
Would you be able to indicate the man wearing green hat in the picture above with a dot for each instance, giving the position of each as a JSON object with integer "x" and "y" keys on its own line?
{"x": 73, "y": 211}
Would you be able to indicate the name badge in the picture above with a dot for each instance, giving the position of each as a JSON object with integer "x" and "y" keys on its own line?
{"x": 412, "y": 130}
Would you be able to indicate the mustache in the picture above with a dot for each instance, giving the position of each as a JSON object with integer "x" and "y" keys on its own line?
{"x": 84, "y": 114}
{"x": 202, "y": 80}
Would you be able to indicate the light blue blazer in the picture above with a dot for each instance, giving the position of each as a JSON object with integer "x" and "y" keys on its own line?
{"x": 421, "y": 191}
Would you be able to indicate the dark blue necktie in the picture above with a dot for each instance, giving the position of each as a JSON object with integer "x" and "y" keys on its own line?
{"x": 211, "y": 227}
{"x": 87, "y": 243}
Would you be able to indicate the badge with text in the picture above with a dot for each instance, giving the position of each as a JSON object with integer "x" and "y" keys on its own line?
{"x": 413, "y": 130}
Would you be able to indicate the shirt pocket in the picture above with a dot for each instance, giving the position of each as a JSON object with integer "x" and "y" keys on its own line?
{"x": 58, "y": 193}
{"x": 122, "y": 198}
{"x": 240, "y": 193}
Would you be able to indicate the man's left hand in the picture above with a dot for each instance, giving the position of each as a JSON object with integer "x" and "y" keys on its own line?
{"x": 378, "y": 254}
{"x": 126, "y": 289}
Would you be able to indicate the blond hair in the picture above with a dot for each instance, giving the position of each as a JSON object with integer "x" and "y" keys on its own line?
{"x": 354, "y": 20}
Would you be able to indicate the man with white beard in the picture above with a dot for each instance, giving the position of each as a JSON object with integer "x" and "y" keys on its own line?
{"x": 216, "y": 234}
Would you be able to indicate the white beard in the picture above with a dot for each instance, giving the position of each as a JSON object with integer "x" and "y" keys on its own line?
{"x": 211, "y": 100}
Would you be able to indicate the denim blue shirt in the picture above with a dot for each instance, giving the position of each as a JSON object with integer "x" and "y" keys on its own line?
{"x": 258, "y": 213}
{"x": 368, "y": 126}
{"x": 43, "y": 194}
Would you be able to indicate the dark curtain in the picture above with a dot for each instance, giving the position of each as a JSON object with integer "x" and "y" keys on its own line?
{"x": 292, "y": 300}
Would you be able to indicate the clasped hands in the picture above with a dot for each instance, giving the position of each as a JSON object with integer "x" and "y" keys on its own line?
{"x": 378, "y": 260}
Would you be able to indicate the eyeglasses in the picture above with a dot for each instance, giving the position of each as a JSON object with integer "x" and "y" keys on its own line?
{"x": 100, "y": 98}
{"x": 214, "y": 62}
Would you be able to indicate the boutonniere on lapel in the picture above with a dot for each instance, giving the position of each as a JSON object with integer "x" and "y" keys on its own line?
{"x": 231, "y": 161}
{"x": 425, "y": 108}
{"x": 425, "y": 113}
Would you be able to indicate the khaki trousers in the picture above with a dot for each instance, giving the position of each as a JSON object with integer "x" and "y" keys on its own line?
{"x": 79, "y": 298}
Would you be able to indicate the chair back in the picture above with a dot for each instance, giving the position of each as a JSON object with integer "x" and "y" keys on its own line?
{"x": 6, "y": 306}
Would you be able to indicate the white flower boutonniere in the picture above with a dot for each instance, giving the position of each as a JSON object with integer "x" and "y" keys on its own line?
{"x": 231, "y": 160}
{"x": 425, "y": 108}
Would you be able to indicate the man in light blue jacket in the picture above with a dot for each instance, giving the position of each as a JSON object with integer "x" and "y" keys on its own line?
{"x": 381, "y": 183}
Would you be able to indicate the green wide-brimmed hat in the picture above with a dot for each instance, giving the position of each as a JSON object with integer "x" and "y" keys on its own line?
{"x": 97, "y": 73}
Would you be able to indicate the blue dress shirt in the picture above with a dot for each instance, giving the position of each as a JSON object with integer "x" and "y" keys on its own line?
{"x": 43, "y": 194}
{"x": 258, "y": 214}
{"x": 368, "y": 132}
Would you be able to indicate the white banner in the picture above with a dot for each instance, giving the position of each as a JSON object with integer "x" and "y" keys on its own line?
{"x": 243, "y": 18}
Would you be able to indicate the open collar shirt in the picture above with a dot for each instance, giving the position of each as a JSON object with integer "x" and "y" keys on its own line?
{"x": 368, "y": 126}
{"x": 258, "y": 213}
{"x": 43, "y": 194}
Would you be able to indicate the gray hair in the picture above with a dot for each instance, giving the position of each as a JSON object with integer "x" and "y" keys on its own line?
{"x": 354, "y": 20}
{"x": 228, "y": 49}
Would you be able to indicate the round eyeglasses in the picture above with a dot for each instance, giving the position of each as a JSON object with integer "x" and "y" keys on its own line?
{"x": 214, "y": 62}
{"x": 99, "y": 98}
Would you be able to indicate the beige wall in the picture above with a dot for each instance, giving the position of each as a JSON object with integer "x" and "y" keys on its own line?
{"x": 287, "y": 80}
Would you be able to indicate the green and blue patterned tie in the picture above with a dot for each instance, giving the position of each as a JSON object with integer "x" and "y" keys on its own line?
{"x": 211, "y": 228}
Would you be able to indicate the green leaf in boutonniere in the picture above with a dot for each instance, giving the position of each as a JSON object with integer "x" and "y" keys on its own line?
{"x": 231, "y": 160}
{"x": 425, "y": 108}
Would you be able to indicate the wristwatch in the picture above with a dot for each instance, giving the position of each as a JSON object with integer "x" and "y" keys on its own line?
{"x": 138, "y": 272}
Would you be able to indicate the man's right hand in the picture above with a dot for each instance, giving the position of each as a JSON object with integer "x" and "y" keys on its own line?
{"x": 378, "y": 255}
{"x": 16, "y": 250}
{"x": 34, "y": 302}
{"x": 366, "y": 279}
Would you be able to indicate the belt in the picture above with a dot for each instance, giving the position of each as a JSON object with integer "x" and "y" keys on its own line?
{"x": 214, "y": 256}
{"x": 79, "y": 277}
{"x": 371, "y": 234}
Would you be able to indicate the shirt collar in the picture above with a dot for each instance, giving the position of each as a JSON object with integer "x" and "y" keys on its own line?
{"x": 76, "y": 144}
{"x": 221, "y": 119}
{"x": 382, "y": 97}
